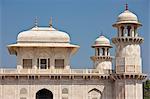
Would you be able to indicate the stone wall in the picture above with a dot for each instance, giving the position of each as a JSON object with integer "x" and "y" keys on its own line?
{"x": 43, "y": 53}
{"x": 77, "y": 88}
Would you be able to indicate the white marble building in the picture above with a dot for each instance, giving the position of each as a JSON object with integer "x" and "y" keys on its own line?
{"x": 44, "y": 72}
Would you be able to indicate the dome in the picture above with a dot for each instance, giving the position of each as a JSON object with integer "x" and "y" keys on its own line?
{"x": 102, "y": 41}
{"x": 127, "y": 16}
{"x": 43, "y": 34}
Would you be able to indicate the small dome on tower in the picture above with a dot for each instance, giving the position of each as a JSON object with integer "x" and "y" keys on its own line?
{"x": 102, "y": 41}
{"x": 127, "y": 17}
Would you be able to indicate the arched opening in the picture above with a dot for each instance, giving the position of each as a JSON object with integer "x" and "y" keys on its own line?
{"x": 122, "y": 31}
{"x": 44, "y": 94}
{"x": 65, "y": 91}
{"x": 107, "y": 51}
{"x": 129, "y": 30}
{"x": 94, "y": 94}
{"x": 23, "y": 91}
{"x": 103, "y": 49}
{"x": 98, "y": 51}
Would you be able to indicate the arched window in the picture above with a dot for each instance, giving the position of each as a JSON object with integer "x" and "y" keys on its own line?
{"x": 94, "y": 94}
{"x": 64, "y": 91}
{"x": 23, "y": 91}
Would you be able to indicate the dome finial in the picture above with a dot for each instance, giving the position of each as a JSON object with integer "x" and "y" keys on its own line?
{"x": 50, "y": 23}
{"x": 36, "y": 21}
{"x": 101, "y": 33}
{"x": 126, "y": 6}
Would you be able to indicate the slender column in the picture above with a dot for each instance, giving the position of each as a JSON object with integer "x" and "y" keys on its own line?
{"x": 66, "y": 62}
{"x": 119, "y": 32}
{"x": 100, "y": 52}
{"x": 105, "y": 51}
{"x": 95, "y": 51}
{"x": 132, "y": 31}
{"x": 125, "y": 31}
{"x": 52, "y": 64}
{"x": 108, "y": 52}
{"x": 47, "y": 63}
{"x": 135, "y": 32}
{"x": 34, "y": 63}
{"x": 19, "y": 59}
{"x": 39, "y": 64}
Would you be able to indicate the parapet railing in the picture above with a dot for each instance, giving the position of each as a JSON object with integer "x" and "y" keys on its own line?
{"x": 54, "y": 71}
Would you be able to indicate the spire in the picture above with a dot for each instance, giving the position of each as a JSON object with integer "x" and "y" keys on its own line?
{"x": 126, "y": 6}
{"x": 101, "y": 33}
{"x": 36, "y": 21}
{"x": 50, "y": 23}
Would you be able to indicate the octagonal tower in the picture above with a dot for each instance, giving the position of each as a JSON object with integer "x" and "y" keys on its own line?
{"x": 128, "y": 63}
{"x": 127, "y": 41}
{"x": 102, "y": 59}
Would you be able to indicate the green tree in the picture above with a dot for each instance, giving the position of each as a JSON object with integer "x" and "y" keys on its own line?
{"x": 147, "y": 89}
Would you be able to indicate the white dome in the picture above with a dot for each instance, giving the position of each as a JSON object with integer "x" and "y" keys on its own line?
{"x": 43, "y": 34}
{"x": 102, "y": 41}
{"x": 127, "y": 16}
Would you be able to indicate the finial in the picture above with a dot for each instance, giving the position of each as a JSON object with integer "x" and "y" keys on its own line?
{"x": 101, "y": 33}
{"x": 50, "y": 23}
{"x": 36, "y": 21}
{"x": 126, "y": 6}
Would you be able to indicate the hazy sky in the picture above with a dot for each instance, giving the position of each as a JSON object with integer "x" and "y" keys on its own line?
{"x": 84, "y": 20}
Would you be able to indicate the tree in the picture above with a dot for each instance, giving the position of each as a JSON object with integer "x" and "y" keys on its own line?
{"x": 146, "y": 89}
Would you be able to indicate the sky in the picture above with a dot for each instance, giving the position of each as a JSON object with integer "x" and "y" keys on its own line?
{"x": 83, "y": 20}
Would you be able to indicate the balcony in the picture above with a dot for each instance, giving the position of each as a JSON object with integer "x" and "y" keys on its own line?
{"x": 52, "y": 71}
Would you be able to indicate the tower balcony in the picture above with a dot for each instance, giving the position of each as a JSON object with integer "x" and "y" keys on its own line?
{"x": 128, "y": 40}
{"x": 97, "y": 58}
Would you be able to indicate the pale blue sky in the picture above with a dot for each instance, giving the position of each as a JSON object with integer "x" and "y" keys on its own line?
{"x": 84, "y": 20}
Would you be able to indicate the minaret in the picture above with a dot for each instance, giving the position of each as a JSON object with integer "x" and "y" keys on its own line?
{"x": 102, "y": 59}
{"x": 128, "y": 63}
{"x": 127, "y": 41}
